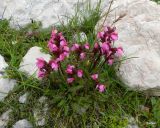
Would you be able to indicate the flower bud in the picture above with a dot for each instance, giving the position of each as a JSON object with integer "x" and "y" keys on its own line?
{"x": 40, "y": 63}
{"x": 86, "y": 46}
{"x": 82, "y": 56}
{"x": 94, "y": 76}
{"x": 100, "y": 87}
{"x": 70, "y": 80}
{"x": 80, "y": 73}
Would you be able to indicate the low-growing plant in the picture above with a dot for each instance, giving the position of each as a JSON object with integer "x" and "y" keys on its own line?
{"x": 78, "y": 70}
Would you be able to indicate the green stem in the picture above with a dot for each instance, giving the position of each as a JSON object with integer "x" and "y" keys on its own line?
{"x": 61, "y": 72}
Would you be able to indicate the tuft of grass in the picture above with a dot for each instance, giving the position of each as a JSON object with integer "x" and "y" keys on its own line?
{"x": 110, "y": 110}
{"x": 157, "y": 1}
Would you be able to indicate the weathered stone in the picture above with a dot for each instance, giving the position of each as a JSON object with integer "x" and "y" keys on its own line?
{"x": 28, "y": 64}
{"x": 40, "y": 112}
{"x": 23, "y": 98}
{"x": 132, "y": 126}
{"x": 49, "y": 12}
{"x": 4, "y": 119}
{"x": 139, "y": 30}
{"x": 23, "y": 124}
{"x": 6, "y": 85}
{"x": 132, "y": 123}
{"x": 3, "y": 64}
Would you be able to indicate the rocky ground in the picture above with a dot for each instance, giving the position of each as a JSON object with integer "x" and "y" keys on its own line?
{"x": 138, "y": 24}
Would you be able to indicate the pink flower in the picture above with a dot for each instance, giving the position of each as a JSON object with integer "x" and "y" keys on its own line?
{"x": 50, "y": 41}
{"x": 119, "y": 52}
{"x": 52, "y": 47}
{"x": 106, "y": 29}
{"x": 94, "y": 76}
{"x": 40, "y": 63}
{"x": 110, "y": 61}
{"x": 80, "y": 73}
{"x": 86, "y": 46}
{"x": 66, "y": 54}
{"x": 96, "y": 46}
{"x": 54, "y": 32}
{"x": 114, "y": 36}
{"x": 54, "y": 65}
{"x": 61, "y": 57}
{"x": 70, "y": 80}
{"x": 66, "y": 48}
{"x": 41, "y": 73}
{"x": 70, "y": 69}
{"x": 63, "y": 43}
{"x": 61, "y": 36}
{"x": 100, "y": 35}
{"x": 104, "y": 47}
{"x": 75, "y": 47}
{"x": 100, "y": 87}
{"x": 82, "y": 56}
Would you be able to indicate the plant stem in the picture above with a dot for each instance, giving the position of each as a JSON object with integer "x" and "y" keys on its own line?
{"x": 61, "y": 72}
{"x": 95, "y": 63}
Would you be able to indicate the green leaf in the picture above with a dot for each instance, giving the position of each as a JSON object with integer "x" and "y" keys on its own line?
{"x": 75, "y": 88}
{"x": 62, "y": 102}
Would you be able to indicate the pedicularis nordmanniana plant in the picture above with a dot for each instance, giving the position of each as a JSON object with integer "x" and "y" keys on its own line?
{"x": 79, "y": 64}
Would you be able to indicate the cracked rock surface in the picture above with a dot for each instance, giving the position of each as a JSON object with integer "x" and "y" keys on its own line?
{"x": 4, "y": 118}
{"x": 139, "y": 30}
{"x": 22, "y": 124}
{"x": 6, "y": 85}
{"x": 49, "y": 12}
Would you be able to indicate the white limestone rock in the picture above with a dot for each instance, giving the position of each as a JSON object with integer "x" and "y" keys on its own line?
{"x": 28, "y": 64}
{"x": 132, "y": 123}
{"x": 3, "y": 64}
{"x": 41, "y": 111}
{"x": 23, "y": 98}
{"x": 6, "y": 85}
{"x": 42, "y": 99}
{"x": 132, "y": 126}
{"x": 139, "y": 31}
{"x": 23, "y": 124}
{"x": 4, "y": 119}
{"x": 49, "y": 12}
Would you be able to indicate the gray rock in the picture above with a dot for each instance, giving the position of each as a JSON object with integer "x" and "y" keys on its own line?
{"x": 139, "y": 30}
{"x": 3, "y": 64}
{"x": 41, "y": 111}
{"x": 132, "y": 126}
{"x": 48, "y": 11}
{"x": 23, "y": 98}
{"x": 23, "y": 124}
{"x": 132, "y": 123}
{"x": 28, "y": 64}
{"x": 6, "y": 85}
{"x": 42, "y": 99}
{"x": 4, "y": 119}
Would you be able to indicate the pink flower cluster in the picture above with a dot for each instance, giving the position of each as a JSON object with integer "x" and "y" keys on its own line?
{"x": 80, "y": 50}
{"x": 99, "y": 86}
{"x": 59, "y": 47}
{"x": 60, "y": 50}
{"x": 42, "y": 66}
{"x": 105, "y": 45}
{"x": 71, "y": 71}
